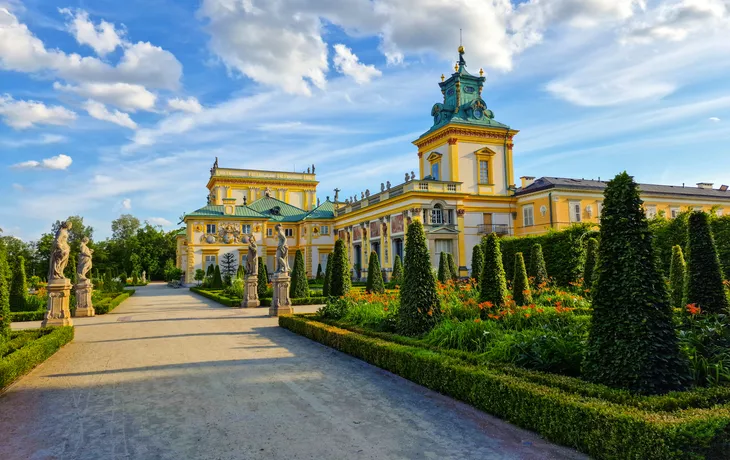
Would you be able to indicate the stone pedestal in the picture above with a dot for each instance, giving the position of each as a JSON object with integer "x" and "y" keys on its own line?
{"x": 57, "y": 312}
{"x": 281, "y": 304}
{"x": 84, "y": 306}
{"x": 251, "y": 292}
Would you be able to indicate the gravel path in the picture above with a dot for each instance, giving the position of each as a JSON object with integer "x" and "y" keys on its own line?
{"x": 171, "y": 375}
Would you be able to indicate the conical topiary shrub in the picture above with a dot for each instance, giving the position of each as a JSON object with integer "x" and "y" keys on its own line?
{"x": 375, "y": 283}
{"x": 263, "y": 279}
{"x": 631, "y": 343}
{"x": 397, "y": 276}
{"x": 452, "y": 266}
{"x": 340, "y": 281}
{"x": 590, "y": 263}
{"x": 419, "y": 303}
{"x": 320, "y": 275}
{"x": 4, "y": 298}
{"x": 493, "y": 286}
{"x": 704, "y": 276}
{"x": 677, "y": 278}
{"x": 299, "y": 287}
{"x": 217, "y": 280}
{"x": 327, "y": 277}
{"x": 538, "y": 270}
{"x": 443, "y": 274}
{"x": 477, "y": 262}
{"x": 19, "y": 286}
{"x": 240, "y": 272}
{"x": 520, "y": 284}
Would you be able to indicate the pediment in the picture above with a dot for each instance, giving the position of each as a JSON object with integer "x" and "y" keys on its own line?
{"x": 486, "y": 151}
{"x": 445, "y": 230}
{"x": 434, "y": 156}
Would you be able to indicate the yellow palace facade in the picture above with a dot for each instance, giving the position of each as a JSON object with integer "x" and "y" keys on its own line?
{"x": 464, "y": 190}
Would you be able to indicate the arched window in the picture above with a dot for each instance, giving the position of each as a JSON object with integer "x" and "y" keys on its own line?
{"x": 437, "y": 215}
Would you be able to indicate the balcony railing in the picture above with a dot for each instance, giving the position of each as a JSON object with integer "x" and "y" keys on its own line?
{"x": 499, "y": 229}
{"x": 410, "y": 186}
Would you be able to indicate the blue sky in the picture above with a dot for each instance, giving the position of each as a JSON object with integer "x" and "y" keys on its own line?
{"x": 111, "y": 107}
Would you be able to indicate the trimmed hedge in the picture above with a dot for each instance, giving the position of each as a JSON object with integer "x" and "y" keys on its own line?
{"x": 21, "y": 361}
{"x": 597, "y": 427}
{"x": 109, "y": 304}
{"x": 217, "y": 296}
{"x": 19, "y": 316}
{"x": 299, "y": 301}
{"x": 703, "y": 273}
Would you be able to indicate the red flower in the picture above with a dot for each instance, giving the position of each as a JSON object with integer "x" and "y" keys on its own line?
{"x": 693, "y": 309}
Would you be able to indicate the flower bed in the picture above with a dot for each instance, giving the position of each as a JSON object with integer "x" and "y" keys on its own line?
{"x": 597, "y": 420}
{"x": 27, "y": 349}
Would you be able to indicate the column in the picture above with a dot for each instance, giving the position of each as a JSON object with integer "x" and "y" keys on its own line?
{"x": 454, "y": 159}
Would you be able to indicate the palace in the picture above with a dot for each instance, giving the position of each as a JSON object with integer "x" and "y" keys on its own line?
{"x": 464, "y": 190}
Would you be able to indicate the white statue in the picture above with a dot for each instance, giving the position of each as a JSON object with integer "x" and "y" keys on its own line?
{"x": 252, "y": 265}
{"x": 282, "y": 251}
{"x": 84, "y": 263}
{"x": 144, "y": 276}
{"x": 59, "y": 253}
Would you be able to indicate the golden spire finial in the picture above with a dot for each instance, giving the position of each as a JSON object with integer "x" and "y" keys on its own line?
{"x": 456, "y": 67}
{"x": 461, "y": 49}
{"x": 481, "y": 72}
{"x": 443, "y": 77}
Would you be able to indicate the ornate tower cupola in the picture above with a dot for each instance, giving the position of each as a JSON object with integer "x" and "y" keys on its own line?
{"x": 463, "y": 101}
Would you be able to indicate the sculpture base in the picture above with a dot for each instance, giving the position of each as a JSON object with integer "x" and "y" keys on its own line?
{"x": 280, "y": 303}
{"x": 250, "y": 292}
{"x": 57, "y": 312}
{"x": 84, "y": 305}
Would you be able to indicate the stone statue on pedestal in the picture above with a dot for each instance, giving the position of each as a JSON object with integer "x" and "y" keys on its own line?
{"x": 144, "y": 276}
{"x": 59, "y": 287}
{"x": 252, "y": 265}
{"x": 250, "y": 287}
{"x": 84, "y": 264}
{"x": 282, "y": 251}
{"x": 59, "y": 253}
{"x": 281, "y": 303}
{"x": 84, "y": 287}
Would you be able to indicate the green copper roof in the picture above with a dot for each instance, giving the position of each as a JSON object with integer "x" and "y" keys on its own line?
{"x": 277, "y": 210}
{"x": 217, "y": 211}
{"x": 324, "y": 211}
{"x": 463, "y": 103}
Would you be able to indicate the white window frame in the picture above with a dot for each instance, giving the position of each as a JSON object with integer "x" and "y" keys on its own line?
{"x": 650, "y": 211}
{"x": 576, "y": 212}
{"x": 209, "y": 227}
{"x": 674, "y": 211}
{"x": 324, "y": 230}
{"x": 246, "y": 228}
{"x": 528, "y": 215}
{"x": 436, "y": 170}
{"x": 437, "y": 215}
{"x": 289, "y": 232}
{"x": 209, "y": 259}
{"x": 484, "y": 172}
{"x": 270, "y": 232}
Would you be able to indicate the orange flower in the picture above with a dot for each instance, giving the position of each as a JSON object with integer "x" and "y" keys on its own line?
{"x": 430, "y": 312}
{"x": 385, "y": 309}
{"x": 477, "y": 320}
{"x": 527, "y": 315}
{"x": 693, "y": 309}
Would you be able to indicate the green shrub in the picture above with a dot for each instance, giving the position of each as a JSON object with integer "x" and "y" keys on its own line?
{"x": 123, "y": 278}
{"x": 340, "y": 280}
{"x": 320, "y": 275}
{"x": 219, "y": 296}
{"x": 327, "y": 277}
{"x": 677, "y": 278}
{"x": 299, "y": 286}
{"x": 397, "y": 277}
{"x": 632, "y": 343}
{"x": 240, "y": 272}
{"x": 477, "y": 262}
{"x": 493, "y": 286}
{"x": 110, "y": 303}
{"x": 235, "y": 289}
{"x": 589, "y": 267}
{"x": 199, "y": 275}
{"x": 263, "y": 279}
{"x": 704, "y": 277}
{"x": 19, "y": 286}
{"x": 444, "y": 273}
{"x": 5, "y": 318}
{"x": 375, "y": 283}
{"x": 22, "y": 360}
{"x": 537, "y": 269}
{"x": 217, "y": 282}
{"x": 520, "y": 284}
{"x": 19, "y": 316}
{"x": 419, "y": 303}
{"x": 453, "y": 271}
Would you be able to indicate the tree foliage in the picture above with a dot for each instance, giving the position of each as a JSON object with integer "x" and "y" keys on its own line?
{"x": 374, "y": 283}
{"x": 493, "y": 286}
{"x": 632, "y": 343}
{"x": 419, "y": 303}
{"x": 327, "y": 277}
{"x": 477, "y": 263}
{"x": 319, "y": 272}
{"x": 340, "y": 280}
{"x": 677, "y": 278}
{"x": 228, "y": 266}
{"x": 217, "y": 280}
{"x": 538, "y": 270}
{"x": 443, "y": 274}
{"x": 520, "y": 284}
{"x": 397, "y": 276}
{"x": 4, "y": 298}
{"x": 263, "y": 278}
{"x": 299, "y": 286}
{"x": 453, "y": 271}
{"x": 590, "y": 264}
{"x": 704, "y": 276}
{"x": 19, "y": 285}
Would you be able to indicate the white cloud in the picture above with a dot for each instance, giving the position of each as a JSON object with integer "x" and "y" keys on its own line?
{"x": 675, "y": 21}
{"x": 127, "y": 203}
{"x": 714, "y": 119}
{"x": 100, "y": 112}
{"x": 346, "y": 62}
{"x": 190, "y": 105}
{"x": 103, "y": 38}
{"x": 141, "y": 63}
{"x": 123, "y": 95}
{"x": 45, "y": 139}
{"x": 159, "y": 221}
{"x": 24, "y": 114}
{"x": 59, "y": 162}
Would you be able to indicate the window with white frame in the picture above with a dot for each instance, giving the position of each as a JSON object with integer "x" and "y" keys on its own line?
{"x": 209, "y": 260}
{"x": 444, "y": 246}
{"x": 269, "y": 232}
{"x": 245, "y": 228}
{"x": 323, "y": 261}
{"x": 210, "y": 228}
{"x": 528, "y": 215}
{"x": 674, "y": 212}
{"x": 435, "y": 171}
{"x": 324, "y": 230}
{"x": 483, "y": 171}
{"x": 575, "y": 211}
{"x": 437, "y": 215}
{"x": 289, "y": 232}
{"x": 651, "y": 211}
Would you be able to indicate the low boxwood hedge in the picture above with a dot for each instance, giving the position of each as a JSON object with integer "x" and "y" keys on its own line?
{"x": 299, "y": 301}
{"x": 110, "y": 303}
{"x": 33, "y": 352}
{"x": 580, "y": 419}
{"x": 18, "y": 316}
{"x": 218, "y": 296}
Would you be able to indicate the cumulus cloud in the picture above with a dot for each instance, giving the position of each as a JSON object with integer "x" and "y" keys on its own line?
{"x": 103, "y": 38}
{"x": 24, "y": 114}
{"x": 100, "y": 112}
{"x": 347, "y": 63}
{"x": 675, "y": 21}
{"x": 190, "y": 105}
{"x": 59, "y": 162}
{"x": 714, "y": 119}
{"x": 159, "y": 221}
{"x": 123, "y": 95}
{"x": 127, "y": 203}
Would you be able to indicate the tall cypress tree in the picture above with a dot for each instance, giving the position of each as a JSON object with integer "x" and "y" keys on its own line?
{"x": 477, "y": 262}
{"x": 4, "y": 298}
{"x": 299, "y": 287}
{"x": 520, "y": 284}
{"x": 419, "y": 303}
{"x": 443, "y": 274}
{"x": 327, "y": 277}
{"x": 340, "y": 281}
{"x": 397, "y": 277}
{"x": 631, "y": 343}
{"x": 19, "y": 286}
{"x": 590, "y": 264}
{"x": 217, "y": 280}
{"x": 677, "y": 275}
{"x": 319, "y": 272}
{"x": 493, "y": 282}
{"x": 375, "y": 283}
{"x": 263, "y": 279}
{"x": 241, "y": 272}
{"x": 452, "y": 266}
{"x": 704, "y": 276}
{"x": 538, "y": 270}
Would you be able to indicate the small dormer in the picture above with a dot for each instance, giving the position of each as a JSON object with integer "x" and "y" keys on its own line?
{"x": 229, "y": 206}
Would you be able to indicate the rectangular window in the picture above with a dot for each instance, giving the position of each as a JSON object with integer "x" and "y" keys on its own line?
{"x": 435, "y": 171}
{"x": 651, "y": 211}
{"x": 323, "y": 261}
{"x": 269, "y": 232}
{"x": 209, "y": 260}
{"x": 600, "y": 208}
{"x": 289, "y": 232}
{"x": 528, "y": 216}
{"x": 483, "y": 172}
{"x": 210, "y": 228}
{"x": 575, "y": 212}
{"x": 245, "y": 228}
{"x": 444, "y": 246}
{"x": 324, "y": 230}
{"x": 437, "y": 215}
{"x": 674, "y": 212}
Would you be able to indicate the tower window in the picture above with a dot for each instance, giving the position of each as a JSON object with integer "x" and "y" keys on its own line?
{"x": 483, "y": 171}
{"x": 210, "y": 228}
{"x": 437, "y": 215}
{"x": 435, "y": 171}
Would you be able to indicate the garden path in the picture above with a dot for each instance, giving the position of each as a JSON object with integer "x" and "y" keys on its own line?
{"x": 171, "y": 375}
